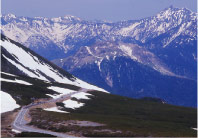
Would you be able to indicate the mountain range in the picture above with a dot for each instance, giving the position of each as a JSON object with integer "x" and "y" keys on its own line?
{"x": 39, "y": 99}
{"x": 151, "y": 57}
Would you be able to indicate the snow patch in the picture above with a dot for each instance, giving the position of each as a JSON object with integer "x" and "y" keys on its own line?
{"x": 7, "y": 102}
{"x": 81, "y": 95}
{"x": 62, "y": 91}
{"x": 181, "y": 29}
{"x": 16, "y": 131}
{"x": 55, "y": 109}
{"x": 195, "y": 129}
{"x": 128, "y": 51}
{"x": 89, "y": 51}
{"x": 127, "y": 30}
{"x": 89, "y": 86}
{"x": 161, "y": 28}
{"x": 72, "y": 104}
{"x": 107, "y": 57}
{"x": 16, "y": 81}
{"x": 23, "y": 19}
{"x": 11, "y": 15}
{"x": 8, "y": 74}
{"x": 99, "y": 63}
{"x": 58, "y": 19}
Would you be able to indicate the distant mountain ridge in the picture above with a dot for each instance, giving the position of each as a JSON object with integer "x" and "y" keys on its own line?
{"x": 153, "y": 57}
{"x": 59, "y": 103}
{"x": 69, "y": 33}
{"x": 55, "y": 38}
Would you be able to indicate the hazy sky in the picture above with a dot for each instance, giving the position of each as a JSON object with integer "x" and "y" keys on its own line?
{"x": 111, "y": 10}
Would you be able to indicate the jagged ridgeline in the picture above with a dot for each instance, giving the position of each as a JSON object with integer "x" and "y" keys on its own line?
{"x": 28, "y": 78}
{"x": 151, "y": 57}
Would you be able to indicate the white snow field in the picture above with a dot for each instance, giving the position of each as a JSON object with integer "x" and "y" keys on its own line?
{"x": 15, "y": 81}
{"x": 81, "y": 95}
{"x": 8, "y": 74}
{"x": 7, "y": 102}
{"x": 62, "y": 91}
{"x": 72, "y": 104}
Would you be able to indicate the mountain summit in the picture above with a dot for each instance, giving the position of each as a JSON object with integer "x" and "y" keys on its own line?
{"x": 65, "y": 34}
{"x": 154, "y": 56}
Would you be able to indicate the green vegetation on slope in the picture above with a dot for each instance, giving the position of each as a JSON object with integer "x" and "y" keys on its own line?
{"x": 130, "y": 116}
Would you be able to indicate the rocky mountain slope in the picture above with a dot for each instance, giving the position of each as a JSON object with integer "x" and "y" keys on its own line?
{"x": 35, "y": 90}
{"x": 171, "y": 35}
{"x": 19, "y": 60}
{"x": 161, "y": 47}
{"x": 130, "y": 71}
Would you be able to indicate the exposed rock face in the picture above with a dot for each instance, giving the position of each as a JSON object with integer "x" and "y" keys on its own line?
{"x": 155, "y": 56}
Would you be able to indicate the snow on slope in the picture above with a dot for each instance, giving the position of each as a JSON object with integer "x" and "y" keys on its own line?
{"x": 55, "y": 109}
{"x": 86, "y": 85}
{"x": 62, "y": 91}
{"x": 16, "y": 131}
{"x": 33, "y": 63}
{"x": 68, "y": 103}
{"x": 8, "y": 74}
{"x": 81, "y": 95}
{"x": 128, "y": 51}
{"x": 15, "y": 81}
{"x": 195, "y": 129}
{"x": 7, "y": 102}
{"x": 34, "y": 67}
{"x": 69, "y": 32}
{"x": 72, "y": 104}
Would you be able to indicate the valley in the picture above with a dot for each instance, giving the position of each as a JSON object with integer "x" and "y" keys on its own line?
{"x": 55, "y": 103}
{"x": 71, "y": 77}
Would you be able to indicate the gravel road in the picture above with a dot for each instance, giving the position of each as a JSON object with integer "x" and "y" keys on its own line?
{"x": 21, "y": 124}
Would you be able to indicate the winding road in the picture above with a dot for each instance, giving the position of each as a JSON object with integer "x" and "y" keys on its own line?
{"x": 20, "y": 123}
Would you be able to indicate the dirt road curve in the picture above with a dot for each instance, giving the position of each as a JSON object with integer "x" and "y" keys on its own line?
{"x": 21, "y": 124}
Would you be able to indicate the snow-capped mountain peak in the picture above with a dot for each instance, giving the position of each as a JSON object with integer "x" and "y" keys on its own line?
{"x": 175, "y": 13}
{"x": 64, "y": 19}
{"x": 68, "y": 33}
{"x": 70, "y": 17}
{"x": 9, "y": 16}
{"x": 166, "y": 20}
